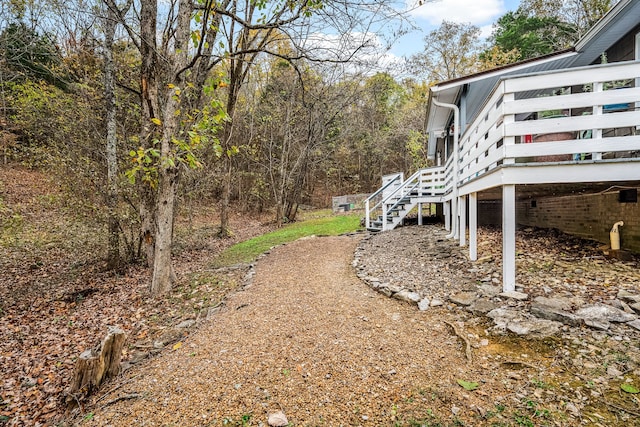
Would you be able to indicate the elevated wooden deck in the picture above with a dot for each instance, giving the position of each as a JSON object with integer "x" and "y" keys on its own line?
{"x": 559, "y": 129}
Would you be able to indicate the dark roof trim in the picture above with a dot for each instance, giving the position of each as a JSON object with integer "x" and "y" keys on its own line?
{"x": 499, "y": 70}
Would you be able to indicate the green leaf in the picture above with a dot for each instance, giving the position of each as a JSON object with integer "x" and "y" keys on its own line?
{"x": 470, "y": 386}
{"x": 628, "y": 388}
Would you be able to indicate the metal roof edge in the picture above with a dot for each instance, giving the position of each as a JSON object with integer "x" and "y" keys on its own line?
{"x": 503, "y": 69}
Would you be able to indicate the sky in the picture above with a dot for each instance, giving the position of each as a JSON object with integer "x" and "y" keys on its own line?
{"x": 429, "y": 16}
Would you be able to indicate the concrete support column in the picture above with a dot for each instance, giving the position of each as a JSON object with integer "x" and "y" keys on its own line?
{"x": 508, "y": 238}
{"x": 473, "y": 226}
{"x": 419, "y": 213}
{"x": 462, "y": 203}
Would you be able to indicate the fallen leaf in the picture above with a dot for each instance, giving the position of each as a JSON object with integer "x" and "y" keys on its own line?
{"x": 470, "y": 386}
{"x": 628, "y": 388}
{"x": 177, "y": 345}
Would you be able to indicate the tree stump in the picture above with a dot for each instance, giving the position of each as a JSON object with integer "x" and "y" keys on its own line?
{"x": 96, "y": 365}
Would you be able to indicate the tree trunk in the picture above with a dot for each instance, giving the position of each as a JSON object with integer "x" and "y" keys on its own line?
{"x": 96, "y": 365}
{"x": 225, "y": 229}
{"x": 149, "y": 110}
{"x": 163, "y": 274}
{"x": 113, "y": 256}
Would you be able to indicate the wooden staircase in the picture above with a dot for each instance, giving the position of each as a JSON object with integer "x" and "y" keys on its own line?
{"x": 390, "y": 204}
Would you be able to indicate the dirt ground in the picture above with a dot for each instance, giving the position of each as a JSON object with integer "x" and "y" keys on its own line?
{"x": 307, "y": 337}
{"x": 310, "y": 339}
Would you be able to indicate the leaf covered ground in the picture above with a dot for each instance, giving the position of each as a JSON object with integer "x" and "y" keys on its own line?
{"x": 57, "y": 298}
{"x": 307, "y": 338}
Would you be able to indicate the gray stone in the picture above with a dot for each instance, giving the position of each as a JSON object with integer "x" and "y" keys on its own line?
{"x": 482, "y": 306}
{"x": 615, "y": 303}
{"x": 557, "y": 303}
{"x": 535, "y": 327}
{"x": 516, "y": 322}
{"x": 597, "y": 324}
{"x": 543, "y": 311}
{"x": 423, "y": 305}
{"x": 277, "y": 419}
{"x": 634, "y": 324}
{"x": 463, "y": 298}
{"x": 394, "y": 288}
{"x": 612, "y": 371}
{"x": 519, "y": 296}
{"x": 573, "y": 410}
{"x": 489, "y": 291}
{"x": 636, "y": 307}
{"x": 186, "y": 324}
{"x": 385, "y": 291}
{"x": 408, "y": 296}
{"x": 604, "y": 313}
{"x": 502, "y": 313}
{"x": 437, "y": 302}
{"x": 628, "y": 296}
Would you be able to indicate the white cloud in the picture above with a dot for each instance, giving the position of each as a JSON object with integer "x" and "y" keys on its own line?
{"x": 476, "y": 12}
{"x": 486, "y": 31}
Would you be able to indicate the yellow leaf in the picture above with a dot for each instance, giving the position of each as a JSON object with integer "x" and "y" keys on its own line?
{"x": 178, "y": 92}
{"x": 171, "y": 85}
{"x": 177, "y": 345}
{"x": 156, "y": 121}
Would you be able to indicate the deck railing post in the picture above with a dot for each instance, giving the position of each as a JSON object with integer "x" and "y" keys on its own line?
{"x": 507, "y": 120}
{"x": 597, "y": 111}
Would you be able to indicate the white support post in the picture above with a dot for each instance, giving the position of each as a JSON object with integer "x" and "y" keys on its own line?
{"x": 446, "y": 210}
{"x": 419, "y": 213}
{"x": 473, "y": 226}
{"x": 454, "y": 218}
{"x": 462, "y": 203}
{"x": 384, "y": 216}
{"x": 508, "y": 238}
{"x": 367, "y": 214}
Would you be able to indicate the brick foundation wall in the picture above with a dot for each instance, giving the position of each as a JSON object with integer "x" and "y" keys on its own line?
{"x": 489, "y": 212}
{"x": 589, "y": 216}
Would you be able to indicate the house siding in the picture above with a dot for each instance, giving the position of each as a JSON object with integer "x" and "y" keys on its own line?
{"x": 587, "y": 216}
{"x": 624, "y": 49}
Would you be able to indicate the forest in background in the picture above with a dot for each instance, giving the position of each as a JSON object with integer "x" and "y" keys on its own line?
{"x": 139, "y": 106}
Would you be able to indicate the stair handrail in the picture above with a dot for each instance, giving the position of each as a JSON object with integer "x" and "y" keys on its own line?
{"x": 404, "y": 184}
{"x": 398, "y": 202}
{"x": 368, "y": 199}
{"x": 384, "y": 201}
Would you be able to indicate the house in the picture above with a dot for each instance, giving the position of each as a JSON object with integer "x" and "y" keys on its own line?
{"x": 552, "y": 142}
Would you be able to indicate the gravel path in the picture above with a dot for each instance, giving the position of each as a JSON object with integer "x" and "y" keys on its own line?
{"x": 308, "y": 338}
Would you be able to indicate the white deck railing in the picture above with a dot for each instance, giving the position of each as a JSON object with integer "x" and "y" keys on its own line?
{"x": 591, "y": 119}
{"x": 594, "y": 122}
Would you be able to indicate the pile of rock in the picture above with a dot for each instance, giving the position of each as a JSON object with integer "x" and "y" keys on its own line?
{"x": 419, "y": 265}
